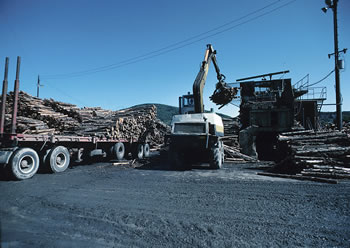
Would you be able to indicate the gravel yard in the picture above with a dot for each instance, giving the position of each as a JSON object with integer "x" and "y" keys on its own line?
{"x": 106, "y": 205}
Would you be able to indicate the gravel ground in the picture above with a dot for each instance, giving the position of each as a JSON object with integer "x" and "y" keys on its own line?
{"x": 104, "y": 205}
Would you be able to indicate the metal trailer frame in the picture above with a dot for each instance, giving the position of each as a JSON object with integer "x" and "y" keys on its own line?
{"x": 22, "y": 154}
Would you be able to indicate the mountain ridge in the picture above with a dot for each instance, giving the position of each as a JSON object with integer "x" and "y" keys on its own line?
{"x": 166, "y": 112}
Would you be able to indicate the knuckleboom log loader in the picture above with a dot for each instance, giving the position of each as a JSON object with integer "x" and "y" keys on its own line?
{"x": 195, "y": 135}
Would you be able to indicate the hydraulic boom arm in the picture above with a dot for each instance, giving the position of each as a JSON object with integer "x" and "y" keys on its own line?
{"x": 198, "y": 85}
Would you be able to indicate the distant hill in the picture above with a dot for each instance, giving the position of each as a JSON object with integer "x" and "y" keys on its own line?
{"x": 331, "y": 116}
{"x": 166, "y": 112}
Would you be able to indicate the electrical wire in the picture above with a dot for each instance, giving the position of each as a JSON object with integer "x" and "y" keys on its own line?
{"x": 174, "y": 46}
{"x": 169, "y": 46}
{"x": 48, "y": 83}
{"x": 319, "y": 81}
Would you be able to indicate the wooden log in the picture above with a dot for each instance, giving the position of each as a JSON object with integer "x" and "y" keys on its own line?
{"x": 232, "y": 152}
{"x": 303, "y": 132}
{"x": 297, "y": 157}
{"x": 299, "y": 177}
{"x": 234, "y": 160}
{"x": 337, "y": 150}
{"x": 334, "y": 175}
{"x": 311, "y": 137}
{"x": 330, "y": 170}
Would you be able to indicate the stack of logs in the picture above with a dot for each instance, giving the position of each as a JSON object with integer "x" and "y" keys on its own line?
{"x": 231, "y": 144}
{"x": 321, "y": 154}
{"x": 233, "y": 154}
{"x": 44, "y": 118}
{"x": 346, "y": 128}
{"x": 47, "y": 116}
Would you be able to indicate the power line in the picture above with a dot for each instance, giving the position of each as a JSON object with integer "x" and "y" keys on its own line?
{"x": 174, "y": 46}
{"x": 168, "y": 46}
{"x": 48, "y": 83}
{"x": 319, "y": 81}
{"x": 171, "y": 45}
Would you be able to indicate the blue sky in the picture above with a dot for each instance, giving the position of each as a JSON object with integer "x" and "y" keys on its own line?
{"x": 57, "y": 39}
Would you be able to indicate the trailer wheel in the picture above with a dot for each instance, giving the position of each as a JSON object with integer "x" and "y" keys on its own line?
{"x": 216, "y": 158}
{"x": 146, "y": 150}
{"x": 58, "y": 159}
{"x": 138, "y": 151}
{"x": 24, "y": 163}
{"x": 118, "y": 151}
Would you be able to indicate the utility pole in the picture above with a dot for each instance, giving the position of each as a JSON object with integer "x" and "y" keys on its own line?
{"x": 37, "y": 87}
{"x": 337, "y": 78}
{"x": 333, "y": 4}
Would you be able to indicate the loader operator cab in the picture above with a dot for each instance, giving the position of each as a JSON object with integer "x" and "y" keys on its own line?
{"x": 186, "y": 104}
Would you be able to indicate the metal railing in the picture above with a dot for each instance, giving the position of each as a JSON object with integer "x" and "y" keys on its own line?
{"x": 302, "y": 83}
{"x": 314, "y": 93}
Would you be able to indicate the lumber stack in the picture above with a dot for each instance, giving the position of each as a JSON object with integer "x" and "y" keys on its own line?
{"x": 323, "y": 154}
{"x": 47, "y": 116}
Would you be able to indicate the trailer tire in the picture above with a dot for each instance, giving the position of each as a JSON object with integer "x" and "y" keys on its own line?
{"x": 216, "y": 158}
{"x": 24, "y": 163}
{"x": 138, "y": 151}
{"x": 118, "y": 151}
{"x": 146, "y": 150}
{"x": 58, "y": 159}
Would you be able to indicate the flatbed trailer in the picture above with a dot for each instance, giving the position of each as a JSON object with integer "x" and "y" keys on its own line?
{"x": 23, "y": 154}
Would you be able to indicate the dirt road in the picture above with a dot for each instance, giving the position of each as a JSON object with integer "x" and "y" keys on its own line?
{"x": 102, "y": 205}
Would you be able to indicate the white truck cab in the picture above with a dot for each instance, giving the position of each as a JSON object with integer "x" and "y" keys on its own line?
{"x": 196, "y": 138}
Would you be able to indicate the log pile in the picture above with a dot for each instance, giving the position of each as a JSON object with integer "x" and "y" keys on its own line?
{"x": 346, "y": 127}
{"x": 231, "y": 144}
{"x": 137, "y": 123}
{"x": 233, "y": 154}
{"x": 35, "y": 109}
{"x": 309, "y": 153}
{"x": 47, "y": 116}
{"x": 28, "y": 125}
{"x": 231, "y": 130}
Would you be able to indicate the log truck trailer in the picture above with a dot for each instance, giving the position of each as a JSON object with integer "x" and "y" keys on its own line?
{"x": 22, "y": 154}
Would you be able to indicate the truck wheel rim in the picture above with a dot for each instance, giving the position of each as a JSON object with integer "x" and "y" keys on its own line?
{"x": 26, "y": 164}
{"x": 61, "y": 160}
